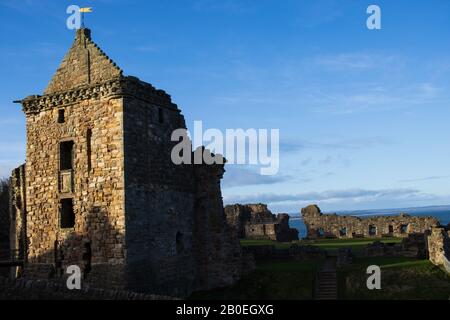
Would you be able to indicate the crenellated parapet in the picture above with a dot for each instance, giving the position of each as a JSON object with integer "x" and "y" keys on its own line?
{"x": 119, "y": 87}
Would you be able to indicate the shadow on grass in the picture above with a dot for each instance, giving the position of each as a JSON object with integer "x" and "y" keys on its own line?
{"x": 272, "y": 280}
{"x": 401, "y": 279}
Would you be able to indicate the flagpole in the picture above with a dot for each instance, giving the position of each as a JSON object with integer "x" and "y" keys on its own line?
{"x": 83, "y": 11}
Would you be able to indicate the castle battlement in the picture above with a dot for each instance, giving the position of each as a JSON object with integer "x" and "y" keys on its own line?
{"x": 119, "y": 87}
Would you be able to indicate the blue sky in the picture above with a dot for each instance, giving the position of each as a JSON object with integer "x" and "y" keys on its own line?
{"x": 363, "y": 115}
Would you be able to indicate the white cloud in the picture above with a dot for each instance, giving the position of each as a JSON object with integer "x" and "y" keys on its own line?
{"x": 350, "y": 196}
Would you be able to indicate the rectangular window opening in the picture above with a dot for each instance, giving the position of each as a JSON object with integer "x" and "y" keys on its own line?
{"x": 67, "y": 214}
{"x": 160, "y": 115}
{"x": 66, "y": 155}
{"x": 372, "y": 230}
{"x": 61, "y": 116}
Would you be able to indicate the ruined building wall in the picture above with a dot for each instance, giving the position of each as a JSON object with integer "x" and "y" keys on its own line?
{"x": 255, "y": 221}
{"x": 75, "y": 169}
{"x": 216, "y": 249}
{"x": 238, "y": 216}
{"x": 4, "y": 216}
{"x": 438, "y": 243}
{"x": 159, "y": 199}
{"x": 177, "y": 238}
{"x": 95, "y": 184}
{"x": 101, "y": 143}
{"x": 4, "y": 213}
{"x": 339, "y": 226}
{"x": 17, "y": 214}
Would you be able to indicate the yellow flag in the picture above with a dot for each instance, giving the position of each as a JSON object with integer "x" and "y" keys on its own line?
{"x": 89, "y": 9}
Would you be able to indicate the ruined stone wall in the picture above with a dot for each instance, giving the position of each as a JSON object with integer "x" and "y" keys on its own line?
{"x": 4, "y": 212}
{"x": 438, "y": 243}
{"x": 159, "y": 200}
{"x": 217, "y": 251}
{"x": 17, "y": 214}
{"x": 141, "y": 222}
{"x": 177, "y": 238}
{"x": 82, "y": 113}
{"x": 242, "y": 217}
{"x": 340, "y": 226}
{"x": 285, "y": 232}
{"x": 96, "y": 184}
{"x": 261, "y": 231}
{"x": 29, "y": 289}
{"x": 255, "y": 221}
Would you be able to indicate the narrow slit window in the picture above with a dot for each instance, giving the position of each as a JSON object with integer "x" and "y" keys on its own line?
{"x": 89, "y": 149}
{"x": 160, "y": 115}
{"x": 67, "y": 219}
{"x": 179, "y": 242}
{"x": 66, "y": 155}
{"x": 61, "y": 116}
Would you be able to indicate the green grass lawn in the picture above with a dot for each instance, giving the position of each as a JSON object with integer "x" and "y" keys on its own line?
{"x": 280, "y": 245}
{"x": 401, "y": 278}
{"x": 329, "y": 244}
{"x": 279, "y": 280}
{"x": 357, "y": 245}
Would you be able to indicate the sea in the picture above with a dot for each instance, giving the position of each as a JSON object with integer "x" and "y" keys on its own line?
{"x": 442, "y": 213}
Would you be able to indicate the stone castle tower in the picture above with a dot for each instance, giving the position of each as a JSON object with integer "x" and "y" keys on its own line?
{"x": 99, "y": 189}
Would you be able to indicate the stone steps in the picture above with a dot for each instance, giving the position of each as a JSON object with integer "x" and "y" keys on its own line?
{"x": 326, "y": 285}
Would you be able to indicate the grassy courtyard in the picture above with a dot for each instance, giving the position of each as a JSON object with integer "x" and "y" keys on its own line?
{"x": 279, "y": 280}
{"x": 401, "y": 278}
{"x": 328, "y": 244}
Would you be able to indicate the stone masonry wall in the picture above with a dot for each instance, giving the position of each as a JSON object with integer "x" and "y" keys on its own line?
{"x": 84, "y": 64}
{"x": 98, "y": 193}
{"x": 159, "y": 201}
{"x": 17, "y": 213}
{"x": 339, "y": 226}
{"x": 27, "y": 289}
{"x": 4, "y": 212}
{"x": 141, "y": 222}
{"x": 219, "y": 260}
{"x": 438, "y": 245}
{"x": 255, "y": 221}
{"x": 169, "y": 208}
